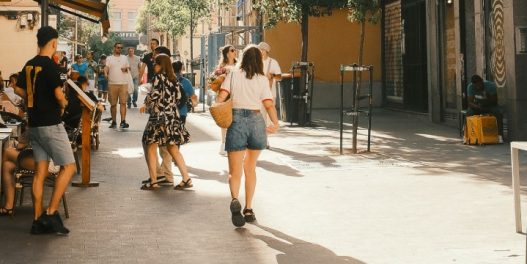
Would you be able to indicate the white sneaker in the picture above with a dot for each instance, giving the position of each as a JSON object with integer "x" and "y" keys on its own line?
{"x": 500, "y": 139}
{"x": 222, "y": 150}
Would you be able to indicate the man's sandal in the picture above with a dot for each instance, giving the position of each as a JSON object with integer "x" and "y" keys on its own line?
{"x": 249, "y": 216}
{"x": 150, "y": 186}
{"x": 184, "y": 185}
{"x": 159, "y": 178}
{"x": 6, "y": 212}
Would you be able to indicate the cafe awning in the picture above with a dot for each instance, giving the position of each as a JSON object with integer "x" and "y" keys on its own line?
{"x": 91, "y": 10}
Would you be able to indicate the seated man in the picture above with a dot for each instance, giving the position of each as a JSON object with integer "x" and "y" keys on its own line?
{"x": 483, "y": 99}
{"x": 8, "y": 173}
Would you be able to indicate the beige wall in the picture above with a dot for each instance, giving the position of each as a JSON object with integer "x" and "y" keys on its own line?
{"x": 125, "y": 6}
{"x": 332, "y": 41}
{"x": 17, "y": 45}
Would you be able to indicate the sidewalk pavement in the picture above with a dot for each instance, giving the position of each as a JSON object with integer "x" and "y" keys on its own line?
{"x": 420, "y": 196}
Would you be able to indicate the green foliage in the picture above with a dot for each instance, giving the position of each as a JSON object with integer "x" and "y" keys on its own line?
{"x": 141, "y": 23}
{"x": 173, "y": 16}
{"x": 292, "y": 10}
{"x": 364, "y": 11}
{"x": 85, "y": 29}
{"x": 95, "y": 44}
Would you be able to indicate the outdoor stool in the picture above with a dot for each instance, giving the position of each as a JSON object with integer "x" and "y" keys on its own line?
{"x": 24, "y": 179}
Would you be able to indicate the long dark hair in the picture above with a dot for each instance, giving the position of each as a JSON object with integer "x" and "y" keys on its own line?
{"x": 166, "y": 66}
{"x": 224, "y": 59}
{"x": 252, "y": 62}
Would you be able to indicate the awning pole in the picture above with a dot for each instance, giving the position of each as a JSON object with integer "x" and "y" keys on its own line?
{"x": 43, "y": 13}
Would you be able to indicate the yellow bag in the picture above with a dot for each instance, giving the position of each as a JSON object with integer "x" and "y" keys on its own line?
{"x": 481, "y": 129}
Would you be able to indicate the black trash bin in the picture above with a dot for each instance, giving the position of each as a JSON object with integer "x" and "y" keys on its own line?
{"x": 292, "y": 101}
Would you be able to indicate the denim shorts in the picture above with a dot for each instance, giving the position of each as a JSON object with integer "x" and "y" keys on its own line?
{"x": 247, "y": 131}
{"x": 51, "y": 142}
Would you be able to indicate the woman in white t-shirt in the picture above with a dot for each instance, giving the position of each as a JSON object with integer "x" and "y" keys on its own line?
{"x": 246, "y": 137}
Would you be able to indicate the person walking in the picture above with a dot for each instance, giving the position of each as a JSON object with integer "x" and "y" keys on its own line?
{"x": 248, "y": 88}
{"x": 187, "y": 88}
{"x": 225, "y": 65}
{"x": 148, "y": 61}
{"x": 102, "y": 81}
{"x": 79, "y": 66}
{"x": 45, "y": 102}
{"x": 164, "y": 126}
{"x": 135, "y": 64}
{"x": 91, "y": 71}
{"x": 273, "y": 73}
{"x": 116, "y": 71}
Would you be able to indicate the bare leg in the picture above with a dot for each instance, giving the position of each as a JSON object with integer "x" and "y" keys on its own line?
{"x": 180, "y": 161}
{"x": 249, "y": 168}
{"x": 235, "y": 171}
{"x": 8, "y": 183}
{"x": 38, "y": 186}
{"x": 123, "y": 110}
{"x": 8, "y": 168}
{"x": 223, "y": 134}
{"x": 61, "y": 183}
{"x": 113, "y": 111}
{"x": 151, "y": 160}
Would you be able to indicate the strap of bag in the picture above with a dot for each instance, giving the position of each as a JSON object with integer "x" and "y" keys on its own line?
{"x": 231, "y": 94}
{"x": 269, "y": 65}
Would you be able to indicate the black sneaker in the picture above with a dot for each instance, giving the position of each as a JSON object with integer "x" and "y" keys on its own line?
{"x": 113, "y": 125}
{"x": 135, "y": 104}
{"x": 237, "y": 218}
{"x": 124, "y": 124}
{"x": 56, "y": 224}
{"x": 38, "y": 227}
{"x": 108, "y": 119}
{"x": 249, "y": 216}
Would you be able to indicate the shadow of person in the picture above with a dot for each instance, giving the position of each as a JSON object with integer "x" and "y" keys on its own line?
{"x": 221, "y": 176}
{"x": 279, "y": 169}
{"x": 295, "y": 250}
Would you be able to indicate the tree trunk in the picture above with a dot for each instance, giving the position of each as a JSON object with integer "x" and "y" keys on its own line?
{"x": 356, "y": 101}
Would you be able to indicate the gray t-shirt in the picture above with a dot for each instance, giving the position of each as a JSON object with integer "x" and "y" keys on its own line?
{"x": 134, "y": 65}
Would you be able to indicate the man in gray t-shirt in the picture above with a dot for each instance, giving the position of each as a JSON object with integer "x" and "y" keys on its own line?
{"x": 134, "y": 62}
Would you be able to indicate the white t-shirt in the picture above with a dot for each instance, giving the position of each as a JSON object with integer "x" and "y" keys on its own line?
{"x": 247, "y": 93}
{"x": 115, "y": 74}
{"x": 270, "y": 65}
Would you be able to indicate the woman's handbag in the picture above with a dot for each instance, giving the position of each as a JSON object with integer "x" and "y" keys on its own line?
{"x": 222, "y": 112}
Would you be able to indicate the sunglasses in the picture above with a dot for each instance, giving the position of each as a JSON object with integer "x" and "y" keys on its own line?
{"x": 118, "y": 47}
{"x": 232, "y": 50}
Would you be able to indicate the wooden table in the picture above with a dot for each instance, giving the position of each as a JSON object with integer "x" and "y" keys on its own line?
{"x": 515, "y": 164}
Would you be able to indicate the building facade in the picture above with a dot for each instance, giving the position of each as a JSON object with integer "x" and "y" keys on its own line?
{"x": 432, "y": 48}
{"x": 123, "y": 16}
{"x": 19, "y": 23}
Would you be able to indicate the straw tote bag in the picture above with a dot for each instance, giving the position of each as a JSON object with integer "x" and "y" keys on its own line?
{"x": 222, "y": 112}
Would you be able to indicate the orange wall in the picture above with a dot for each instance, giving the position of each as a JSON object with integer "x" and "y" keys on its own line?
{"x": 332, "y": 41}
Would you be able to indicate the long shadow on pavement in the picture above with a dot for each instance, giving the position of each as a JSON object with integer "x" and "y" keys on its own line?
{"x": 295, "y": 250}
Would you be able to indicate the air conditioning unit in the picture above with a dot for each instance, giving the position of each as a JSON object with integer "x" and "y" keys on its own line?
{"x": 23, "y": 21}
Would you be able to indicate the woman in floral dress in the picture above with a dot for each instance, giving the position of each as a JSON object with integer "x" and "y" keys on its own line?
{"x": 164, "y": 127}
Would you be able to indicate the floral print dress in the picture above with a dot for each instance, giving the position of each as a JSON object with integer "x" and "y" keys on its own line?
{"x": 164, "y": 125}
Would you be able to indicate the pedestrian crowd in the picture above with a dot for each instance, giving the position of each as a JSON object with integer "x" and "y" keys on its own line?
{"x": 40, "y": 98}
